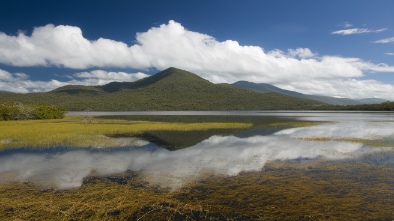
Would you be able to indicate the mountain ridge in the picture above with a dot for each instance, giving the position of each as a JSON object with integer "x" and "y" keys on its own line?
{"x": 167, "y": 75}
{"x": 170, "y": 89}
{"x": 267, "y": 88}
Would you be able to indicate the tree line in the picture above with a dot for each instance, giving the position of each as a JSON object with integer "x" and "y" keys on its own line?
{"x": 19, "y": 111}
{"x": 385, "y": 106}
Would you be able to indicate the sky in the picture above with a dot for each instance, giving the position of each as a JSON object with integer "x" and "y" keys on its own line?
{"x": 335, "y": 48}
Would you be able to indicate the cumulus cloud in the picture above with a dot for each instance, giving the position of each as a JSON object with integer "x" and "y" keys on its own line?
{"x": 368, "y": 66}
{"x": 4, "y": 75}
{"x": 164, "y": 46}
{"x": 105, "y": 77}
{"x": 173, "y": 45}
{"x": 343, "y": 88}
{"x": 353, "y": 31}
{"x": 65, "y": 46}
{"x": 20, "y": 83}
{"x": 385, "y": 41}
{"x": 301, "y": 53}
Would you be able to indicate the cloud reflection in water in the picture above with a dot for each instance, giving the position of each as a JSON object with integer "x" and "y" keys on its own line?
{"x": 361, "y": 130}
{"x": 221, "y": 155}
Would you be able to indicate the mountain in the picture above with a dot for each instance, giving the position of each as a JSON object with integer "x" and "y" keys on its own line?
{"x": 267, "y": 88}
{"x": 171, "y": 89}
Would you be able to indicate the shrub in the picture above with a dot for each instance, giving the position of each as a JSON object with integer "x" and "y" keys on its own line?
{"x": 19, "y": 111}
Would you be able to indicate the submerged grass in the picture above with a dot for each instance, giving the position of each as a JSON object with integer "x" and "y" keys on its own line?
{"x": 77, "y": 132}
{"x": 283, "y": 191}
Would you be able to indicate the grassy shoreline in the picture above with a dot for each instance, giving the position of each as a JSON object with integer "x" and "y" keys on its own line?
{"x": 80, "y": 132}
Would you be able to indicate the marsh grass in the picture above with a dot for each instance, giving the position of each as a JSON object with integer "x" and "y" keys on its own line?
{"x": 76, "y": 132}
{"x": 99, "y": 131}
{"x": 296, "y": 124}
{"x": 283, "y": 191}
{"x": 382, "y": 142}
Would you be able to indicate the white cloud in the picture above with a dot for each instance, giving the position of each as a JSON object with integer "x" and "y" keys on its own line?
{"x": 385, "y": 41}
{"x": 20, "y": 83}
{"x": 164, "y": 46}
{"x": 110, "y": 76}
{"x": 346, "y": 25}
{"x": 368, "y": 66}
{"x": 301, "y": 53}
{"x": 390, "y": 53}
{"x": 344, "y": 88}
{"x": 354, "y": 31}
{"x": 65, "y": 46}
{"x": 4, "y": 75}
{"x": 227, "y": 61}
{"x": 171, "y": 45}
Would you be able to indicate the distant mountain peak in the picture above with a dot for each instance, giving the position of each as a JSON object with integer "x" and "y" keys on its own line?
{"x": 172, "y": 71}
{"x": 170, "y": 77}
{"x": 170, "y": 89}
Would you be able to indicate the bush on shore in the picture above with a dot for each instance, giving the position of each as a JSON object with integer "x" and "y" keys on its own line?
{"x": 19, "y": 111}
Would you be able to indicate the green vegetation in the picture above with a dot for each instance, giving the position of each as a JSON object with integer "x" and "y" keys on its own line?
{"x": 19, "y": 111}
{"x": 78, "y": 132}
{"x": 385, "y": 106}
{"x": 171, "y": 89}
{"x": 283, "y": 191}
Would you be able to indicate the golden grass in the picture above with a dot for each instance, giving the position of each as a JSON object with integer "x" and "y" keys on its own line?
{"x": 283, "y": 191}
{"x": 77, "y": 132}
{"x": 296, "y": 124}
{"x": 383, "y": 142}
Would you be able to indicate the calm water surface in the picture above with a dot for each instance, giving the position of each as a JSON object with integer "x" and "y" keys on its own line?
{"x": 360, "y": 137}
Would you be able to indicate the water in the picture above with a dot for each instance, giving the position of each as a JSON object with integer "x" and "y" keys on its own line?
{"x": 330, "y": 115}
{"x": 346, "y": 137}
{"x": 341, "y": 169}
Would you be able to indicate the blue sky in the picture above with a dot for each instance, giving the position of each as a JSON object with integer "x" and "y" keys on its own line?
{"x": 335, "y": 48}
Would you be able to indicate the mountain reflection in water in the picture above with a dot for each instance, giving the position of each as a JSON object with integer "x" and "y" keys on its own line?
{"x": 229, "y": 155}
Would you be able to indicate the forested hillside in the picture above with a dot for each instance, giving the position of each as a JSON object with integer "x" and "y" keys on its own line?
{"x": 171, "y": 89}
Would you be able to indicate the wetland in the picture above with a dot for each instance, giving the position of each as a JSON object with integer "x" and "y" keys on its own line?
{"x": 231, "y": 165}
